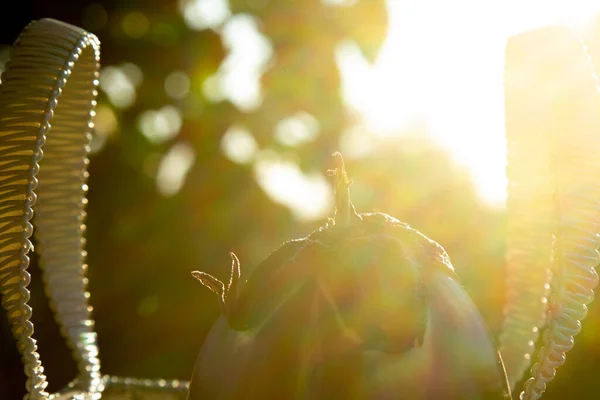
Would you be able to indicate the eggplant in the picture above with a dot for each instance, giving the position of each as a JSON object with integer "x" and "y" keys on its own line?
{"x": 365, "y": 307}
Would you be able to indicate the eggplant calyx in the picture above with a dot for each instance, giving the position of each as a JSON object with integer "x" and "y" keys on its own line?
{"x": 227, "y": 295}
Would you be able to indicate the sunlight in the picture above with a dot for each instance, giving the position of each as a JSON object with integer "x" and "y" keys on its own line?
{"x": 118, "y": 86}
{"x": 307, "y": 196}
{"x": 248, "y": 53}
{"x": 442, "y": 63}
{"x": 202, "y": 14}
{"x": 173, "y": 168}
{"x": 239, "y": 145}
{"x": 297, "y": 129}
{"x": 162, "y": 125}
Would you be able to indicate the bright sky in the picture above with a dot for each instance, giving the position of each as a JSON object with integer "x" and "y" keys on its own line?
{"x": 443, "y": 62}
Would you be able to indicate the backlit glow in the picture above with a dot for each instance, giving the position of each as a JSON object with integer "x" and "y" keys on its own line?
{"x": 442, "y": 63}
{"x": 204, "y": 14}
{"x": 173, "y": 168}
{"x": 160, "y": 125}
{"x": 308, "y": 196}
{"x": 239, "y": 145}
{"x": 119, "y": 86}
{"x": 297, "y": 129}
{"x": 249, "y": 52}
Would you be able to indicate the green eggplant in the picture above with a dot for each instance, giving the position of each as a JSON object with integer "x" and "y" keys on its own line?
{"x": 363, "y": 308}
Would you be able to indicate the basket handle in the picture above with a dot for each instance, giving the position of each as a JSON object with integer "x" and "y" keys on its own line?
{"x": 47, "y": 100}
{"x": 552, "y": 125}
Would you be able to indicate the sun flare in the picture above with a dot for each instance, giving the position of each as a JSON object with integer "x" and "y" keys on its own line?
{"x": 442, "y": 63}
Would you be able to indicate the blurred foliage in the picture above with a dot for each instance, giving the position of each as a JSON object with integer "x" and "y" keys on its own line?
{"x": 151, "y": 315}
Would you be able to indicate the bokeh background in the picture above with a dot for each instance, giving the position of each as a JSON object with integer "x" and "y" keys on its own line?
{"x": 214, "y": 129}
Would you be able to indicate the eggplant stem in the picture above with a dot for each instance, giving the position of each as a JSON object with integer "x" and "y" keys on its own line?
{"x": 344, "y": 210}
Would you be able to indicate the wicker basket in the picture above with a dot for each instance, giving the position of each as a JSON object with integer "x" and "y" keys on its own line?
{"x": 47, "y": 100}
